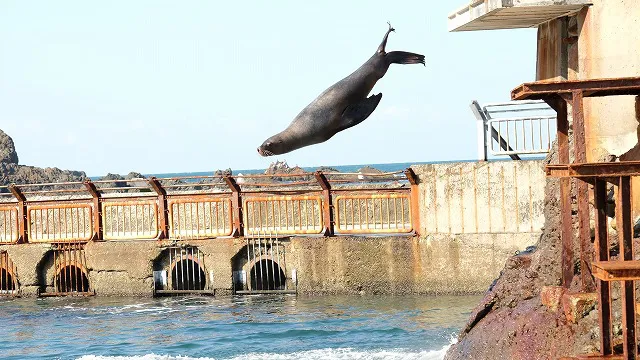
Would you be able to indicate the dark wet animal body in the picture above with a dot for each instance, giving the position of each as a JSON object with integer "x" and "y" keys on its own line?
{"x": 343, "y": 105}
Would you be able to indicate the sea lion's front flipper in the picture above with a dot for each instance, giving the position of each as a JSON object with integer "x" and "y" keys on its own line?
{"x": 356, "y": 113}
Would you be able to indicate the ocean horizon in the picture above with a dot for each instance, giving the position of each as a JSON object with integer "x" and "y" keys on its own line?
{"x": 384, "y": 167}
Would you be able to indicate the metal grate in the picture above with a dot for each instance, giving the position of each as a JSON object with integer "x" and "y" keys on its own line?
{"x": 8, "y": 224}
{"x": 200, "y": 218}
{"x": 183, "y": 272}
{"x": 130, "y": 220}
{"x": 267, "y": 271}
{"x": 373, "y": 213}
{"x": 70, "y": 271}
{"x": 63, "y": 222}
{"x": 283, "y": 215}
{"x": 8, "y": 276}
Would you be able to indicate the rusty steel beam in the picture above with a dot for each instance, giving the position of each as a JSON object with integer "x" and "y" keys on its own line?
{"x": 97, "y": 210}
{"x": 602, "y": 254}
{"x": 414, "y": 200}
{"x": 625, "y": 238}
{"x": 566, "y": 230}
{"x": 592, "y": 170}
{"x": 23, "y": 225}
{"x": 236, "y": 203}
{"x": 163, "y": 210}
{"x": 327, "y": 205}
{"x": 592, "y": 88}
{"x": 582, "y": 192}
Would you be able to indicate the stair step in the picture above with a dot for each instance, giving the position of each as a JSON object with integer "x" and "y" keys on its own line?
{"x": 616, "y": 270}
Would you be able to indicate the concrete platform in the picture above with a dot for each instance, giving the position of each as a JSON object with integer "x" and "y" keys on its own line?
{"x": 511, "y": 14}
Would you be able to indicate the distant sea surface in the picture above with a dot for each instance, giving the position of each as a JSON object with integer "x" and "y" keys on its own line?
{"x": 274, "y": 327}
{"x": 390, "y": 167}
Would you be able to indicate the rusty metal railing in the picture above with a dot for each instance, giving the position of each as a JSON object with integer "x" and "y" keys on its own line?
{"x": 136, "y": 219}
{"x": 201, "y": 207}
{"x": 197, "y": 218}
{"x": 373, "y": 213}
{"x": 8, "y": 224}
{"x": 59, "y": 222}
{"x": 300, "y": 214}
{"x": 8, "y": 276}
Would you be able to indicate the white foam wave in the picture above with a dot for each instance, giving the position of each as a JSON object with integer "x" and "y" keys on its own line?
{"x": 321, "y": 354}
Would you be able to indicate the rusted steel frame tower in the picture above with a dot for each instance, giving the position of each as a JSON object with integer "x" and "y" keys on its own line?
{"x": 559, "y": 95}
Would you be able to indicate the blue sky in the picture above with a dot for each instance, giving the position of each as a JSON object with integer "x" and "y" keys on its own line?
{"x": 159, "y": 86}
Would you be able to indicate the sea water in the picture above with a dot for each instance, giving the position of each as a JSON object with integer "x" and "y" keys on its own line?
{"x": 242, "y": 327}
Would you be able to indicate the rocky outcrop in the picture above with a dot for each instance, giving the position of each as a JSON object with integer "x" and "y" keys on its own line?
{"x": 20, "y": 174}
{"x": 8, "y": 152}
{"x": 513, "y": 321}
{"x": 225, "y": 172}
{"x": 12, "y": 173}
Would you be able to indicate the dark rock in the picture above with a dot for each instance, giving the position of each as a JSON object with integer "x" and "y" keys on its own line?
{"x": 111, "y": 176}
{"x": 327, "y": 169}
{"x": 511, "y": 322}
{"x": 8, "y": 152}
{"x": 369, "y": 170}
{"x": 20, "y": 174}
{"x": 225, "y": 172}
{"x": 134, "y": 175}
{"x": 278, "y": 167}
{"x": 282, "y": 168}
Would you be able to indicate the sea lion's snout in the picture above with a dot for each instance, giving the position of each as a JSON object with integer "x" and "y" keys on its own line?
{"x": 262, "y": 152}
{"x": 270, "y": 147}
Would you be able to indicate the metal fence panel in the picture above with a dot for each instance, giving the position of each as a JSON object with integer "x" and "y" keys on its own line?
{"x": 8, "y": 276}
{"x": 283, "y": 214}
{"x": 373, "y": 213}
{"x": 200, "y": 218}
{"x": 59, "y": 223}
{"x": 523, "y": 135}
{"x": 127, "y": 220}
{"x": 8, "y": 224}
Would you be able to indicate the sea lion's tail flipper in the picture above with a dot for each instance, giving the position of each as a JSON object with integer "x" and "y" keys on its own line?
{"x": 383, "y": 44}
{"x": 403, "y": 57}
{"x": 356, "y": 113}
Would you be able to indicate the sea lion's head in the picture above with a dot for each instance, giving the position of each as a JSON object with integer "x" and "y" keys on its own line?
{"x": 272, "y": 146}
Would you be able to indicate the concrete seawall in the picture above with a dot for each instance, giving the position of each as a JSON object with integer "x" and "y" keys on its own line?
{"x": 472, "y": 215}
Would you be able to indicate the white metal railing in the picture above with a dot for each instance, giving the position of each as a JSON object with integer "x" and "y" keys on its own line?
{"x": 514, "y": 128}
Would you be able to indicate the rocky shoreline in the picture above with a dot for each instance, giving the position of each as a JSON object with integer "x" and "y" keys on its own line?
{"x": 526, "y": 314}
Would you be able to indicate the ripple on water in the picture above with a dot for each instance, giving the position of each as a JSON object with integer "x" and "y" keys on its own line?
{"x": 264, "y": 327}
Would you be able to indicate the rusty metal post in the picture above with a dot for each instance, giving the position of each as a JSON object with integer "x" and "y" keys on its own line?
{"x": 625, "y": 238}
{"x": 97, "y": 210}
{"x": 236, "y": 203}
{"x": 582, "y": 192}
{"x": 602, "y": 254}
{"x": 560, "y": 106}
{"x": 415, "y": 199}
{"x": 327, "y": 204}
{"x": 163, "y": 211}
{"x": 23, "y": 227}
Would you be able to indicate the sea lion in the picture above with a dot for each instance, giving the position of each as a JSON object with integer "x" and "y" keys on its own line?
{"x": 345, "y": 104}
